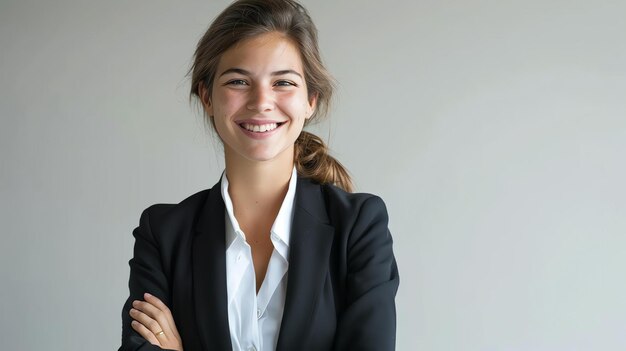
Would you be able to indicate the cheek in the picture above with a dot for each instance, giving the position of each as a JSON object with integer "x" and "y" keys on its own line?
{"x": 228, "y": 102}
{"x": 219, "y": 128}
{"x": 296, "y": 105}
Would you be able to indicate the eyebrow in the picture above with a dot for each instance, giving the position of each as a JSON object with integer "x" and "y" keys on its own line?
{"x": 247, "y": 73}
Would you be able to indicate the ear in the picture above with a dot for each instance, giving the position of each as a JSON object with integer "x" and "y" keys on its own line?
{"x": 311, "y": 105}
{"x": 205, "y": 98}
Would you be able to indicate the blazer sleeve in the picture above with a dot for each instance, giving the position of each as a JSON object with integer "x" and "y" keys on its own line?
{"x": 368, "y": 321}
{"x": 146, "y": 275}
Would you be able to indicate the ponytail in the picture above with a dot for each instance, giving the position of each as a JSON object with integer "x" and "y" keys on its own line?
{"x": 313, "y": 161}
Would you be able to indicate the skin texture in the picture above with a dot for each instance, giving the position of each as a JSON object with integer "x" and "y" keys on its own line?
{"x": 258, "y": 169}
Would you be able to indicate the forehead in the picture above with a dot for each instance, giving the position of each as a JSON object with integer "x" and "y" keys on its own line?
{"x": 271, "y": 51}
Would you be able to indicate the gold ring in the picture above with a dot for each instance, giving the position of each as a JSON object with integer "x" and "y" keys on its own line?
{"x": 160, "y": 333}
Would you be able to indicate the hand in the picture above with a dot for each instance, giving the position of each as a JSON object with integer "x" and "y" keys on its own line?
{"x": 154, "y": 321}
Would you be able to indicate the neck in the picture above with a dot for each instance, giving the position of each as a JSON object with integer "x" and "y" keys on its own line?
{"x": 258, "y": 183}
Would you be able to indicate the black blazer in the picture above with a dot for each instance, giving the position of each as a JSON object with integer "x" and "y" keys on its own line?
{"x": 342, "y": 277}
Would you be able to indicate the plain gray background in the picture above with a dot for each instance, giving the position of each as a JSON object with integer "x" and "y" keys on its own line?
{"x": 495, "y": 131}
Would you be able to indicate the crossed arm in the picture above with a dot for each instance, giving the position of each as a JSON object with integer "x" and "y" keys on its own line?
{"x": 150, "y": 319}
{"x": 367, "y": 322}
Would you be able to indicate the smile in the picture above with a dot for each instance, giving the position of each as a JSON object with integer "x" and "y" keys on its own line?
{"x": 260, "y": 128}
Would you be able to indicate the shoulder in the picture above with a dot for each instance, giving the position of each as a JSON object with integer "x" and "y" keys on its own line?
{"x": 175, "y": 215}
{"x": 345, "y": 203}
{"x": 347, "y": 209}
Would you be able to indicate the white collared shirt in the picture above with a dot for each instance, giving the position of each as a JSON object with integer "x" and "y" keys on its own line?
{"x": 254, "y": 320}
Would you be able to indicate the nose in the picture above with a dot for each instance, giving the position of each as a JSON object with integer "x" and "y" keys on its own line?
{"x": 261, "y": 99}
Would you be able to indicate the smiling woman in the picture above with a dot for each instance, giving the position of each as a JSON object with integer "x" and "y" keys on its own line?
{"x": 259, "y": 102}
{"x": 279, "y": 254}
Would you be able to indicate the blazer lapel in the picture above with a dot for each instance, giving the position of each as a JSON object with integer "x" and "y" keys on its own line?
{"x": 209, "y": 274}
{"x": 309, "y": 248}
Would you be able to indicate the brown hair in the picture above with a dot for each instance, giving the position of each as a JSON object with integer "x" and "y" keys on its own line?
{"x": 245, "y": 19}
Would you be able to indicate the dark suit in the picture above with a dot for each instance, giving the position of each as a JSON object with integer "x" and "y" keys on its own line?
{"x": 342, "y": 277}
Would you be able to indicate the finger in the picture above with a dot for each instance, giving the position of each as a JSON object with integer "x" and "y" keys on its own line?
{"x": 155, "y": 308}
{"x": 154, "y": 313}
{"x": 145, "y": 333}
{"x": 156, "y": 320}
{"x": 149, "y": 323}
{"x": 155, "y": 301}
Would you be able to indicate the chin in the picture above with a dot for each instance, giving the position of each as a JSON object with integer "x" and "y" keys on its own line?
{"x": 264, "y": 154}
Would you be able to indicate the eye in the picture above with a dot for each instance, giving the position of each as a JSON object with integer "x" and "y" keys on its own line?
{"x": 236, "y": 82}
{"x": 285, "y": 83}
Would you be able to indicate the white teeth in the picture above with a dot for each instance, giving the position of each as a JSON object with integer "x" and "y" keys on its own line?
{"x": 260, "y": 128}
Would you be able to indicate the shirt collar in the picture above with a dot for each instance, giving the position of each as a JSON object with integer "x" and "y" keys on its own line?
{"x": 282, "y": 224}
{"x": 232, "y": 226}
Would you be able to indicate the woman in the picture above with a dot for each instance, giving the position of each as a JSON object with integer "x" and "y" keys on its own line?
{"x": 278, "y": 255}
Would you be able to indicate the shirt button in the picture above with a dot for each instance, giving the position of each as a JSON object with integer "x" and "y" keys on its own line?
{"x": 238, "y": 257}
{"x": 258, "y": 313}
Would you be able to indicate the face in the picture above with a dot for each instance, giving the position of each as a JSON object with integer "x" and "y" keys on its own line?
{"x": 259, "y": 98}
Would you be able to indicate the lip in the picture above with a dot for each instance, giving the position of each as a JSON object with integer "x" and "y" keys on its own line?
{"x": 259, "y": 135}
{"x": 258, "y": 121}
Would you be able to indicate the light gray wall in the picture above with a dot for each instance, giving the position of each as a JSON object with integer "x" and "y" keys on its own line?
{"x": 494, "y": 130}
